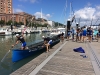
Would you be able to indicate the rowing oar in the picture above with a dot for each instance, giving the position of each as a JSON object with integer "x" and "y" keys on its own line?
{"x": 5, "y": 56}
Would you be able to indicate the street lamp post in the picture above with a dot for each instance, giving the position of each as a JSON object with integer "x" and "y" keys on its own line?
{"x": 11, "y": 27}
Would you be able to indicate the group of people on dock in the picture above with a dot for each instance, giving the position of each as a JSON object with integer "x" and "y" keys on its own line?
{"x": 78, "y": 35}
{"x": 82, "y": 33}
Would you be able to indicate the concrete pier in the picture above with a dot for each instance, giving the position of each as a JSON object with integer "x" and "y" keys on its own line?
{"x": 62, "y": 60}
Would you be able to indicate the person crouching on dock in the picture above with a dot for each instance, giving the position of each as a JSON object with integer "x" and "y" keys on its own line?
{"x": 62, "y": 37}
{"x": 47, "y": 43}
{"x": 20, "y": 39}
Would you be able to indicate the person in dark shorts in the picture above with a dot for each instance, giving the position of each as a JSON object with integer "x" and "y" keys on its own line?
{"x": 98, "y": 35}
{"x": 62, "y": 37}
{"x": 73, "y": 31}
{"x": 47, "y": 42}
{"x": 84, "y": 34}
{"x": 20, "y": 39}
{"x": 80, "y": 34}
{"x": 68, "y": 34}
{"x": 77, "y": 34}
{"x": 90, "y": 33}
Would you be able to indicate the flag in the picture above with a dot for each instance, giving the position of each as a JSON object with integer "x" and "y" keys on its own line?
{"x": 24, "y": 30}
{"x": 73, "y": 18}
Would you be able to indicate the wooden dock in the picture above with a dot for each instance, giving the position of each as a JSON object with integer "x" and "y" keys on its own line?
{"x": 62, "y": 60}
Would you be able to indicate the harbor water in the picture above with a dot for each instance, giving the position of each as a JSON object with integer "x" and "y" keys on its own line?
{"x": 7, "y": 66}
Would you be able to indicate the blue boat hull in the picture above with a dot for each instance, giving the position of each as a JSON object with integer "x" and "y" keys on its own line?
{"x": 21, "y": 54}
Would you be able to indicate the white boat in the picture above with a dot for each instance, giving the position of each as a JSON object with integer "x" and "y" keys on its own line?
{"x": 5, "y": 31}
{"x": 58, "y": 31}
{"x": 27, "y": 31}
{"x": 24, "y": 30}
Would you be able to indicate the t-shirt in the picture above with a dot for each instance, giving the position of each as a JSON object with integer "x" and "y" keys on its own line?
{"x": 21, "y": 39}
{"x": 68, "y": 32}
{"x": 90, "y": 32}
{"x": 84, "y": 31}
{"x": 95, "y": 32}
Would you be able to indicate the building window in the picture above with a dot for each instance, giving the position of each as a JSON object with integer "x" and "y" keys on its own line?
{"x": 14, "y": 18}
{"x": 8, "y": 4}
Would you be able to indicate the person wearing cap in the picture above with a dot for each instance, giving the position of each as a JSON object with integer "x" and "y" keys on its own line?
{"x": 47, "y": 42}
{"x": 21, "y": 40}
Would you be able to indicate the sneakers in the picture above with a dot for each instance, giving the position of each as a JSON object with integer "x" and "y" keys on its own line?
{"x": 84, "y": 56}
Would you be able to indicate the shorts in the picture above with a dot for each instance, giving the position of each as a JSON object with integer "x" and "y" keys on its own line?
{"x": 84, "y": 34}
{"x": 90, "y": 34}
{"x": 24, "y": 44}
{"x": 80, "y": 34}
{"x": 68, "y": 34}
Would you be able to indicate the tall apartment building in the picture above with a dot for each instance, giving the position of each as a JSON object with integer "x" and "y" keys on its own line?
{"x": 6, "y": 6}
{"x": 6, "y": 13}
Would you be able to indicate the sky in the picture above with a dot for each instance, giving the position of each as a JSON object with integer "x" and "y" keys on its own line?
{"x": 86, "y": 12}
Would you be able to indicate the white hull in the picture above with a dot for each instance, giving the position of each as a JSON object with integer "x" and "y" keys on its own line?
{"x": 5, "y": 32}
{"x": 58, "y": 31}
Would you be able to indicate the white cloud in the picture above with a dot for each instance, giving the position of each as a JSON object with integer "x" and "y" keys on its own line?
{"x": 86, "y": 14}
{"x": 48, "y": 15}
{"x": 17, "y": 10}
{"x": 45, "y": 16}
{"x": 98, "y": 7}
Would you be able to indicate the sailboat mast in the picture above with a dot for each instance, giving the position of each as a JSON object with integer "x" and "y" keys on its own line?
{"x": 70, "y": 10}
{"x": 13, "y": 17}
{"x": 65, "y": 11}
{"x": 41, "y": 12}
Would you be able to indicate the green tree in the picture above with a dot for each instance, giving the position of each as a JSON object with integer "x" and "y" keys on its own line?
{"x": 9, "y": 22}
{"x": 21, "y": 23}
{"x": 15, "y": 23}
{"x": 27, "y": 22}
{"x": 45, "y": 25}
{"x": 2, "y": 22}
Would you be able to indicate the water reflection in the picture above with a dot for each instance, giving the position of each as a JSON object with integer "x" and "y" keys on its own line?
{"x": 7, "y": 66}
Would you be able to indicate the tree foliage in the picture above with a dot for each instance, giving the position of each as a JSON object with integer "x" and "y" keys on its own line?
{"x": 58, "y": 24}
{"x": 2, "y": 22}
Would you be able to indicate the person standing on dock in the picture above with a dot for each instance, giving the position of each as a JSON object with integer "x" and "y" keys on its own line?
{"x": 62, "y": 37}
{"x": 20, "y": 39}
{"x": 47, "y": 42}
{"x": 98, "y": 35}
{"x": 73, "y": 31}
{"x": 68, "y": 34}
{"x": 90, "y": 34}
{"x": 77, "y": 34}
{"x": 84, "y": 34}
{"x": 80, "y": 34}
